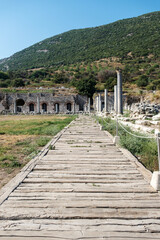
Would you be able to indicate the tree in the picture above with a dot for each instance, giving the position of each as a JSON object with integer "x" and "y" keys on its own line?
{"x": 142, "y": 81}
{"x": 18, "y": 82}
{"x": 86, "y": 85}
{"x": 110, "y": 82}
{"x": 4, "y": 76}
{"x": 60, "y": 78}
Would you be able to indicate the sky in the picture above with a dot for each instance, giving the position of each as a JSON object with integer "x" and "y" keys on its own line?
{"x": 26, "y": 22}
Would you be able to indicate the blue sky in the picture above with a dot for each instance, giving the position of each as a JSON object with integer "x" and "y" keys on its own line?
{"x": 25, "y": 22}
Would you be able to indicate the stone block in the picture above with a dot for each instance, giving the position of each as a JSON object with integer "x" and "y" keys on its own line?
{"x": 116, "y": 140}
{"x": 155, "y": 181}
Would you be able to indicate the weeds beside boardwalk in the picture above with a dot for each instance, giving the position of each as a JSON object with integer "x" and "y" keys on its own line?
{"x": 144, "y": 149}
{"x": 22, "y": 137}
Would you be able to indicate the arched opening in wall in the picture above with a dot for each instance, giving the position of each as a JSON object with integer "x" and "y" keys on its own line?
{"x": 31, "y": 107}
{"x": 81, "y": 107}
{"x": 69, "y": 107}
{"x": 44, "y": 107}
{"x": 19, "y": 104}
{"x": 56, "y": 107}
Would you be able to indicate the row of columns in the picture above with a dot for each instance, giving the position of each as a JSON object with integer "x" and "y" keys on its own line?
{"x": 99, "y": 102}
{"x": 118, "y": 100}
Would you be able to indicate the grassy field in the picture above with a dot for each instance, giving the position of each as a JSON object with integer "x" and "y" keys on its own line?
{"x": 22, "y": 137}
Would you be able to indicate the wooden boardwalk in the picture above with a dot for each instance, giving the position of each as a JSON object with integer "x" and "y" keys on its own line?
{"x": 86, "y": 188}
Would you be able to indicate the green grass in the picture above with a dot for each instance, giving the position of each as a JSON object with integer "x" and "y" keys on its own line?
{"x": 42, "y": 141}
{"x": 9, "y": 161}
{"x": 39, "y": 131}
{"x": 144, "y": 149}
{"x": 34, "y": 127}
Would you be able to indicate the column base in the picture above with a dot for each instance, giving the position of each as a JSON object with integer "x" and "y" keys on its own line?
{"x": 155, "y": 181}
{"x": 101, "y": 127}
{"x": 116, "y": 140}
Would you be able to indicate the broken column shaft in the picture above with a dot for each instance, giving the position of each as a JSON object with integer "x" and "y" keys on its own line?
{"x": 115, "y": 98}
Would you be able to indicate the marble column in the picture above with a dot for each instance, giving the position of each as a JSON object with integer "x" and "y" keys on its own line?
{"x": 73, "y": 108}
{"x": 115, "y": 98}
{"x": 97, "y": 103}
{"x": 89, "y": 105}
{"x": 106, "y": 100}
{"x": 100, "y": 103}
{"x": 119, "y": 93}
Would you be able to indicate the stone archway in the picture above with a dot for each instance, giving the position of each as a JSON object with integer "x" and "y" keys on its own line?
{"x": 20, "y": 103}
{"x": 69, "y": 107}
{"x": 44, "y": 107}
{"x": 31, "y": 107}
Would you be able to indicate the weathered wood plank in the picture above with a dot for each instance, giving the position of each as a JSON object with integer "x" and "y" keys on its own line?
{"x": 85, "y": 203}
{"x": 81, "y": 213}
{"x": 86, "y": 188}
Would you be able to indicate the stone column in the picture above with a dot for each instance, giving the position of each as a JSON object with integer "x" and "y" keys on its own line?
{"x": 119, "y": 93}
{"x": 97, "y": 103}
{"x": 15, "y": 106}
{"x": 73, "y": 108}
{"x": 106, "y": 100}
{"x": 100, "y": 103}
{"x": 115, "y": 98}
{"x": 38, "y": 104}
{"x": 89, "y": 105}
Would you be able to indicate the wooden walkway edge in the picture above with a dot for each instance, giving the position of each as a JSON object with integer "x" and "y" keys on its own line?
{"x": 86, "y": 188}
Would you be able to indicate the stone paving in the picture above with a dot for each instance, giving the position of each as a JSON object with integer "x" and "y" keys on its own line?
{"x": 85, "y": 188}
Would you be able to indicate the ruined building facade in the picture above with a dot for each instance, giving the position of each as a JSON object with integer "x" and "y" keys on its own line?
{"x": 42, "y": 103}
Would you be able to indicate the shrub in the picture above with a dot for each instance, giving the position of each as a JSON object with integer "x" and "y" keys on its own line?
{"x": 142, "y": 81}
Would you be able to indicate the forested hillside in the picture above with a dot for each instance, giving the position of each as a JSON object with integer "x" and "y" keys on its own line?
{"x": 87, "y": 59}
{"x": 136, "y": 36}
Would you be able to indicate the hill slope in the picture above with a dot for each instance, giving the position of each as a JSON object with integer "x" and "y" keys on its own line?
{"x": 139, "y": 36}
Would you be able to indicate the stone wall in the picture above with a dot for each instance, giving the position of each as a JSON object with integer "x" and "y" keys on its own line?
{"x": 41, "y": 103}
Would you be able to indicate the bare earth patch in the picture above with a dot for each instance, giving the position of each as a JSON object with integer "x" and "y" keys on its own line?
{"x": 8, "y": 143}
{"x": 8, "y": 140}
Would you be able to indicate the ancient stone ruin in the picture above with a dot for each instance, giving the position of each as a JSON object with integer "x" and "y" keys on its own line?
{"x": 36, "y": 103}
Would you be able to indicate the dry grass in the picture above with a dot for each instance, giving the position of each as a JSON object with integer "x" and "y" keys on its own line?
{"x": 30, "y": 117}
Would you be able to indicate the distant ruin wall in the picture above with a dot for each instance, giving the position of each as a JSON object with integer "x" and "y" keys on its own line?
{"x": 41, "y": 103}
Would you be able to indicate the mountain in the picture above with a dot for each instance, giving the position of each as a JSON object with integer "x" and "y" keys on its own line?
{"x": 139, "y": 36}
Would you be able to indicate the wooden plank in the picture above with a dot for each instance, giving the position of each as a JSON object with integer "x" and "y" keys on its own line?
{"x": 88, "y": 189}
{"x": 81, "y": 213}
{"x": 85, "y": 203}
{"x": 83, "y": 234}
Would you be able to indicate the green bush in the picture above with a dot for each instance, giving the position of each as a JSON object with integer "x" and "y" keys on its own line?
{"x": 18, "y": 82}
{"x": 142, "y": 81}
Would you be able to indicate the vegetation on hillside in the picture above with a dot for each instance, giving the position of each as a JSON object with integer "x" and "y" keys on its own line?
{"x": 143, "y": 72}
{"x": 135, "y": 36}
{"x": 86, "y": 59}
